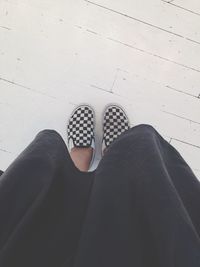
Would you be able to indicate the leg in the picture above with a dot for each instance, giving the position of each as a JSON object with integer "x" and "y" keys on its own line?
{"x": 82, "y": 157}
{"x": 143, "y": 209}
{"x": 43, "y": 200}
{"x": 80, "y": 132}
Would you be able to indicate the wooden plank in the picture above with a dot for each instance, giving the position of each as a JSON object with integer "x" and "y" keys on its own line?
{"x": 192, "y": 6}
{"x": 23, "y": 113}
{"x": 151, "y": 103}
{"x": 153, "y": 45}
{"x": 197, "y": 173}
{"x": 49, "y": 60}
{"x": 43, "y": 60}
{"x": 167, "y": 126}
{"x": 151, "y": 41}
{"x": 177, "y": 22}
{"x": 50, "y": 68}
{"x": 151, "y": 94}
{"x": 5, "y": 160}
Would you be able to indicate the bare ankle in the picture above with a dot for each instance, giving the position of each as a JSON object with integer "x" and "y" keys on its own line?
{"x": 82, "y": 157}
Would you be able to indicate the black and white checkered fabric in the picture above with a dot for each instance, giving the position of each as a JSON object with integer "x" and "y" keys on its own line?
{"x": 115, "y": 122}
{"x": 81, "y": 126}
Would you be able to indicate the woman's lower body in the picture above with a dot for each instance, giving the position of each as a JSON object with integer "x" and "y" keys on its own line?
{"x": 140, "y": 207}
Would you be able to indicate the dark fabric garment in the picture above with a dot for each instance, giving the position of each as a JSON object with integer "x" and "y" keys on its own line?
{"x": 139, "y": 208}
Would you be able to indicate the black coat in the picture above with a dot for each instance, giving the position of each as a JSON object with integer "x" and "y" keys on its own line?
{"x": 139, "y": 208}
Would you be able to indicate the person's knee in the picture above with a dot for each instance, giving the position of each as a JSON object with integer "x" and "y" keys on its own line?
{"x": 138, "y": 137}
{"x": 146, "y": 128}
{"x": 142, "y": 131}
{"x": 50, "y": 138}
{"x": 49, "y": 131}
{"x": 133, "y": 139}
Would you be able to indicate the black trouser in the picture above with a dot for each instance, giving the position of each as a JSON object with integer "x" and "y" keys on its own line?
{"x": 140, "y": 207}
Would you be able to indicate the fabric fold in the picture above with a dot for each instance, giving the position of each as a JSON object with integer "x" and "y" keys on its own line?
{"x": 140, "y": 207}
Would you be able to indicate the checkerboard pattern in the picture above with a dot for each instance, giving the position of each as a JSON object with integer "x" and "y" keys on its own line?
{"x": 81, "y": 126}
{"x": 115, "y": 122}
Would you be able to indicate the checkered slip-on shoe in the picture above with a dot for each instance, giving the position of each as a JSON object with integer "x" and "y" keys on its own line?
{"x": 80, "y": 129}
{"x": 115, "y": 122}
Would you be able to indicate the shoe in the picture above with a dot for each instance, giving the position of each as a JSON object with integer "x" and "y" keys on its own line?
{"x": 115, "y": 122}
{"x": 80, "y": 129}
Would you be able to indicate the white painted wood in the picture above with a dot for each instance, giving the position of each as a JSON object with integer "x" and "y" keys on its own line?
{"x": 192, "y": 6}
{"x": 6, "y": 159}
{"x": 151, "y": 41}
{"x": 44, "y": 46}
{"x": 57, "y": 54}
{"x": 197, "y": 173}
{"x": 147, "y": 94}
{"x": 157, "y": 14}
{"x": 174, "y": 54}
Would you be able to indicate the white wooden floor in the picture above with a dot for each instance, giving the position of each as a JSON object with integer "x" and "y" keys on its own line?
{"x": 142, "y": 54}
